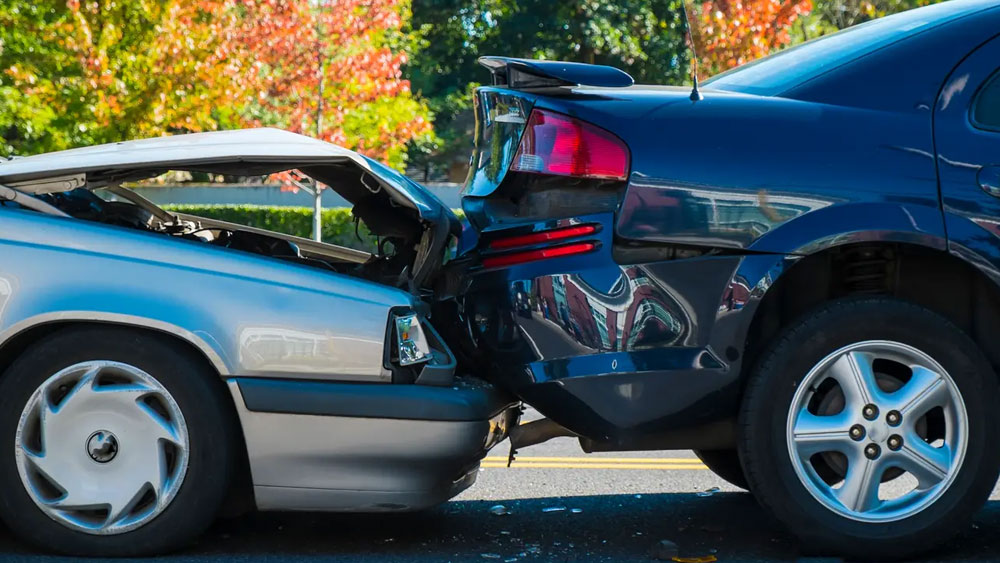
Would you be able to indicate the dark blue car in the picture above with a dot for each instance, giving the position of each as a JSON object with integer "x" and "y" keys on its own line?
{"x": 793, "y": 272}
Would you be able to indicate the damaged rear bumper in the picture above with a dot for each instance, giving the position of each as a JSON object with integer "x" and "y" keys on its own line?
{"x": 360, "y": 447}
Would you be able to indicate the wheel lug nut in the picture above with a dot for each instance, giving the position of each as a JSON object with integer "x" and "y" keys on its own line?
{"x": 872, "y": 451}
{"x": 857, "y": 432}
{"x": 893, "y": 418}
{"x": 895, "y": 442}
{"x": 870, "y": 412}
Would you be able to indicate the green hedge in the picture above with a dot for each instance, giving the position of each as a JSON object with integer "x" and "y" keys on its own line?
{"x": 338, "y": 223}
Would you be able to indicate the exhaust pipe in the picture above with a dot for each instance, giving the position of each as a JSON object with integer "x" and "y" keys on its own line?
{"x": 536, "y": 432}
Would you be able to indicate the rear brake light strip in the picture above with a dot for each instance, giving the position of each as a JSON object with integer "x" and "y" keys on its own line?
{"x": 540, "y": 254}
{"x": 544, "y": 236}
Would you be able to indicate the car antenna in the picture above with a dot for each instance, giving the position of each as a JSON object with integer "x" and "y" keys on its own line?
{"x": 689, "y": 39}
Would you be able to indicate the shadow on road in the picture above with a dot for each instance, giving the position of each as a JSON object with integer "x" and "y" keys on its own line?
{"x": 729, "y": 526}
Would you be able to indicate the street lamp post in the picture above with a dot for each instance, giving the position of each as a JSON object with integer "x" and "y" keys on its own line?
{"x": 317, "y": 211}
{"x": 317, "y": 188}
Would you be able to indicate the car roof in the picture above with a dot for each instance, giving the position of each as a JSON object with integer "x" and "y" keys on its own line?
{"x": 789, "y": 68}
{"x": 259, "y": 145}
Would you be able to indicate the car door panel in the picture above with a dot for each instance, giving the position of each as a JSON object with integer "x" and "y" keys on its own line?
{"x": 968, "y": 159}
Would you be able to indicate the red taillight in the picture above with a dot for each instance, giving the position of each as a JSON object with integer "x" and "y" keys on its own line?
{"x": 544, "y": 236}
{"x": 541, "y": 254}
{"x": 558, "y": 144}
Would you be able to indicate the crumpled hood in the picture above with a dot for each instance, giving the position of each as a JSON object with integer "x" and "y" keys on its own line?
{"x": 239, "y": 152}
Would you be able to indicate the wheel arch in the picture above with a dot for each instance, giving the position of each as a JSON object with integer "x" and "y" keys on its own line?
{"x": 927, "y": 276}
{"x": 19, "y": 335}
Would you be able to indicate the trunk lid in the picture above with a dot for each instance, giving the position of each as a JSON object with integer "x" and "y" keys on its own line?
{"x": 390, "y": 204}
{"x": 243, "y": 152}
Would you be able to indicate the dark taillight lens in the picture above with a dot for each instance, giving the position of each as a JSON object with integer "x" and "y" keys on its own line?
{"x": 541, "y": 254}
{"x": 553, "y": 143}
{"x": 543, "y": 236}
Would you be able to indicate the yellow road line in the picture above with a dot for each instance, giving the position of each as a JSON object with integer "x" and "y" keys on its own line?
{"x": 670, "y": 460}
{"x": 545, "y": 465}
{"x": 541, "y": 462}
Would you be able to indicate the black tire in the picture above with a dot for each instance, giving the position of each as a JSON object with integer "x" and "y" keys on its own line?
{"x": 203, "y": 402}
{"x": 763, "y": 419}
{"x": 726, "y": 465}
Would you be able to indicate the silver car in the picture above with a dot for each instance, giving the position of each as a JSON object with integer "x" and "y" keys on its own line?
{"x": 158, "y": 365}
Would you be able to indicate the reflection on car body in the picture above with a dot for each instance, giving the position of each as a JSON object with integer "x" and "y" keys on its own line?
{"x": 633, "y": 315}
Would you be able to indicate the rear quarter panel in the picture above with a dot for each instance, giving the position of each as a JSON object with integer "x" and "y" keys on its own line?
{"x": 732, "y": 169}
{"x": 249, "y": 315}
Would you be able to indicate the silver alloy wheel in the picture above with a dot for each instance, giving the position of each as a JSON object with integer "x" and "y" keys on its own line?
{"x": 102, "y": 447}
{"x": 849, "y": 456}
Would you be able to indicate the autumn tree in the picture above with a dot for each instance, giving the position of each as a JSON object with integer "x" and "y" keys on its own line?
{"x": 83, "y": 72}
{"x": 332, "y": 69}
{"x": 845, "y": 13}
{"x": 829, "y": 16}
{"x": 80, "y": 72}
{"x": 729, "y": 33}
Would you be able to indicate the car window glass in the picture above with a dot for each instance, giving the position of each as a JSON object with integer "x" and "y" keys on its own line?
{"x": 986, "y": 113}
{"x": 790, "y": 67}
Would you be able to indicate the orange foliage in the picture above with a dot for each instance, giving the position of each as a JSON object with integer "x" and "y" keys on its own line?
{"x": 729, "y": 33}
{"x": 295, "y": 49}
{"x": 92, "y": 71}
{"x": 118, "y": 70}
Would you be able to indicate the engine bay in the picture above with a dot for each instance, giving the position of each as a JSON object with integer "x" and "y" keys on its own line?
{"x": 397, "y": 241}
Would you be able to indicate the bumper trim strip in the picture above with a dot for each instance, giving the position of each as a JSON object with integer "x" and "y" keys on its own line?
{"x": 469, "y": 402}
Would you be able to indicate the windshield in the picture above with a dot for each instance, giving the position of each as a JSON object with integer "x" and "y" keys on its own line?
{"x": 783, "y": 70}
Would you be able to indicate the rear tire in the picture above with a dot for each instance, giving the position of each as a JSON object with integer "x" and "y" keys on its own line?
{"x": 726, "y": 465}
{"x": 805, "y": 425}
{"x": 158, "y": 420}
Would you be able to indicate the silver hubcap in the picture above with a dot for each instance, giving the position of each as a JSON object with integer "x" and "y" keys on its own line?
{"x": 877, "y": 431}
{"x": 102, "y": 447}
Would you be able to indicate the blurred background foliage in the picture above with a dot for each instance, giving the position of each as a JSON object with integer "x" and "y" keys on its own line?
{"x": 390, "y": 78}
{"x": 79, "y": 72}
{"x": 643, "y": 37}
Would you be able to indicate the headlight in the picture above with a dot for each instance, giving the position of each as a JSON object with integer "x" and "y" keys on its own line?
{"x": 410, "y": 341}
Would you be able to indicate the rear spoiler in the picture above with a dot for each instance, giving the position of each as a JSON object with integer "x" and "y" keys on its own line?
{"x": 522, "y": 74}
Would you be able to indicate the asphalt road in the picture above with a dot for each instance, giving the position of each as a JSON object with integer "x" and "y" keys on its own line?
{"x": 561, "y": 505}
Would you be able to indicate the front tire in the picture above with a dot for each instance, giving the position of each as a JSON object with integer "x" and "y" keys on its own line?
{"x": 868, "y": 429}
{"x": 121, "y": 443}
